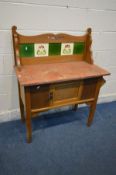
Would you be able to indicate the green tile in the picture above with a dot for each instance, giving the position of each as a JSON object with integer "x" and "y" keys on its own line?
{"x": 26, "y": 50}
{"x": 79, "y": 48}
{"x": 54, "y": 48}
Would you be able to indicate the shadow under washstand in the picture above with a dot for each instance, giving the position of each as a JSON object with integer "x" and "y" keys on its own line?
{"x": 60, "y": 118}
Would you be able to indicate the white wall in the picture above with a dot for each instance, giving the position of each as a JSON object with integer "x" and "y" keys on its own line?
{"x": 71, "y": 16}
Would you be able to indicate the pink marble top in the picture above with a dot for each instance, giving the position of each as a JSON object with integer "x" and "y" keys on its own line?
{"x": 57, "y": 72}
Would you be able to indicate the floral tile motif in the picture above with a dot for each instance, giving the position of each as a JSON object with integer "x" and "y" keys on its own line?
{"x": 67, "y": 48}
{"x": 41, "y": 50}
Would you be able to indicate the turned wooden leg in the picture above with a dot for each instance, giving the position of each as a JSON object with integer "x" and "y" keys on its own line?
{"x": 75, "y": 107}
{"x": 91, "y": 113}
{"x": 28, "y": 114}
{"x": 21, "y": 105}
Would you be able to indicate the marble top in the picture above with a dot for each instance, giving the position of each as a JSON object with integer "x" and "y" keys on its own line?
{"x": 57, "y": 72}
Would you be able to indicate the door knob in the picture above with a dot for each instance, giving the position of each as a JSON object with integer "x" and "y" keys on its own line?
{"x": 50, "y": 95}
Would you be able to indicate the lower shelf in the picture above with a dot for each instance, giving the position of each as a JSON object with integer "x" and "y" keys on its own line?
{"x": 61, "y": 104}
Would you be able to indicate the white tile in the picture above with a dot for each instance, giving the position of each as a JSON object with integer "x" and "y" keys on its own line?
{"x": 41, "y": 50}
{"x": 67, "y": 48}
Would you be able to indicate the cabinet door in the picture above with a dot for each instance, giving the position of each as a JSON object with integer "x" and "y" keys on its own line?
{"x": 65, "y": 92}
{"x": 39, "y": 96}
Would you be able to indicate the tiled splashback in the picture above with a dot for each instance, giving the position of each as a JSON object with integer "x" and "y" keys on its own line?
{"x": 51, "y": 49}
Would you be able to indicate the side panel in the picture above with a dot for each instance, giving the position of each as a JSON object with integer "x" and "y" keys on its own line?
{"x": 89, "y": 87}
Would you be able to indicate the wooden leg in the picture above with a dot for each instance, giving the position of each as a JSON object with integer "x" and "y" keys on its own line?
{"x": 91, "y": 113}
{"x": 21, "y": 105}
{"x": 22, "y": 110}
{"x": 100, "y": 82}
{"x": 28, "y": 114}
{"x": 75, "y": 107}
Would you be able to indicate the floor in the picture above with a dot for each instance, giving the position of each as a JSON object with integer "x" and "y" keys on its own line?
{"x": 62, "y": 144}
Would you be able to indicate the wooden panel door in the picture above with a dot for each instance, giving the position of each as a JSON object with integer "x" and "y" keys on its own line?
{"x": 65, "y": 92}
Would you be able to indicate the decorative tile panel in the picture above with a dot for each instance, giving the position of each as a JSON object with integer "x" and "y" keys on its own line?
{"x": 67, "y": 48}
{"x": 51, "y": 49}
{"x": 54, "y": 49}
{"x": 79, "y": 48}
{"x": 41, "y": 50}
{"x": 26, "y": 50}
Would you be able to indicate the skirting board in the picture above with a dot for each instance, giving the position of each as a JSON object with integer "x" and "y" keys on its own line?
{"x": 15, "y": 114}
